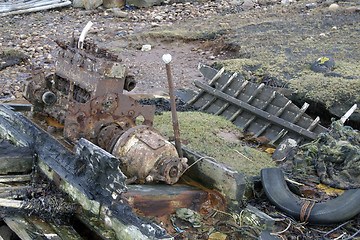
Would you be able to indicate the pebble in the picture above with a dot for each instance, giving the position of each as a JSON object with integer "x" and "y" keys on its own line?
{"x": 334, "y": 7}
{"x": 311, "y": 5}
{"x": 146, "y": 47}
{"x": 117, "y": 12}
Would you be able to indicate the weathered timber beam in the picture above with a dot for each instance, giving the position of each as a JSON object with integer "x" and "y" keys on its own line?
{"x": 15, "y": 159}
{"x": 265, "y": 115}
{"x": 30, "y": 228}
{"x": 64, "y": 167}
{"x": 214, "y": 175}
{"x": 15, "y": 178}
{"x": 35, "y": 9}
{"x": 19, "y": 106}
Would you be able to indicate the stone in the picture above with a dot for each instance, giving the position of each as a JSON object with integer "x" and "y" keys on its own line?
{"x": 146, "y": 47}
{"x": 323, "y": 64}
{"x": 117, "y": 12}
{"x": 248, "y": 4}
{"x": 333, "y": 74}
{"x": 311, "y": 5}
{"x": 78, "y": 4}
{"x": 92, "y": 4}
{"x": 353, "y": 77}
{"x": 286, "y": 2}
{"x": 334, "y": 7}
{"x": 285, "y": 150}
{"x": 114, "y": 3}
{"x": 144, "y": 3}
{"x": 158, "y": 18}
{"x": 352, "y": 9}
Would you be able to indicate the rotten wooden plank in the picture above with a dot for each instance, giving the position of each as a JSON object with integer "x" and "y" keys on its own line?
{"x": 212, "y": 81}
{"x": 38, "y": 7}
{"x": 61, "y": 165}
{"x": 15, "y": 159}
{"x": 23, "y": 229}
{"x": 15, "y": 178}
{"x": 260, "y": 113}
{"x": 30, "y": 228}
{"x": 214, "y": 175}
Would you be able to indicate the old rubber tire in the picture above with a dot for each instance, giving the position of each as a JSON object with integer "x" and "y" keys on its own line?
{"x": 336, "y": 210}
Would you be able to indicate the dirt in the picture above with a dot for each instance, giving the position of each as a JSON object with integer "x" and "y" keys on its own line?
{"x": 269, "y": 39}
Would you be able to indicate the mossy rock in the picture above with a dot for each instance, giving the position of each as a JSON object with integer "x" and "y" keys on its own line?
{"x": 218, "y": 138}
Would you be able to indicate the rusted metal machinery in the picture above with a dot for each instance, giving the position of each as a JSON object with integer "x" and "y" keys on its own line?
{"x": 86, "y": 95}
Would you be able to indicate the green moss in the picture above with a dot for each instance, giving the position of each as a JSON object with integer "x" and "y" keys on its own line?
{"x": 200, "y": 132}
{"x": 239, "y": 64}
{"x": 175, "y": 34}
{"x": 326, "y": 90}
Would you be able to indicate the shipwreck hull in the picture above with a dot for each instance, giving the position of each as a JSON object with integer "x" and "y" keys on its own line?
{"x": 256, "y": 108}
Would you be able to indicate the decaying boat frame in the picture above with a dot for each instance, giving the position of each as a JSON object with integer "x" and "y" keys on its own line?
{"x": 99, "y": 190}
{"x": 255, "y": 108}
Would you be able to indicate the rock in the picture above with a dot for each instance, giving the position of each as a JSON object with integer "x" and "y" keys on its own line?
{"x": 117, "y": 12}
{"x": 323, "y": 64}
{"x": 334, "y": 7}
{"x": 158, "y": 18}
{"x": 311, "y": 5}
{"x": 285, "y": 150}
{"x": 153, "y": 25}
{"x": 248, "y": 4}
{"x": 144, "y": 3}
{"x": 146, "y": 47}
{"x": 78, "y": 4}
{"x": 114, "y": 3}
{"x": 23, "y": 37}
{"x": 353, "y": 77}
{"x": 333, "y": 74}
{"x": 286, "y": 2}
{"x": 352, "y": 9}
{"x": 236, "y": 3}
{"x": 11, "y": 57}
{"x": 92, "y": 4}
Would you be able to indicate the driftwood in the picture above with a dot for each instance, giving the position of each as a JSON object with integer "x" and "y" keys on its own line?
{"x": 17, "y": 191}
{"x": 14, "y": 159}
{"x": 15, "y": 178}
{"x": 25, "y": 227}
{"x": 20, "y": 7}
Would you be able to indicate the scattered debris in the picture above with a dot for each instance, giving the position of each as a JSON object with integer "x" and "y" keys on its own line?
{"x": 86, "y": 95}
{"x": 23, "y": 6}
{"x": 335, "y": 155}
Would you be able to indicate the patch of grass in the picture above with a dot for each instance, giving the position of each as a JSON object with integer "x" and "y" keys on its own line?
{"x": 201, "y": 132}
{"x": 327, "y": 90}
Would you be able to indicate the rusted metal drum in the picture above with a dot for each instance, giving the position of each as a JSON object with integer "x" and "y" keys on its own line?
{"x": 148, "y": 156}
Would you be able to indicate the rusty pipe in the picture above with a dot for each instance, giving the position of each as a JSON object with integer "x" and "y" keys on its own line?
{"x": 167, "y": 59}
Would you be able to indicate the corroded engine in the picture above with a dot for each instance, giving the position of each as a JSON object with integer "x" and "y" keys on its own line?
{"x": 85, "y": 94}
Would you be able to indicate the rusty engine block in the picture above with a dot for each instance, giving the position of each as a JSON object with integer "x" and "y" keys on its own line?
{"x": 86, "y": 95}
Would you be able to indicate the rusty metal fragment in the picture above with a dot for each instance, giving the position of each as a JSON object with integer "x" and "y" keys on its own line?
{"x": 86, "y": 95}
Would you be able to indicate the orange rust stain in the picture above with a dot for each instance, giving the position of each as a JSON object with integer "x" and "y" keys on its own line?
{"x": 164, "y": 205}
{"x": 51, "y": 122}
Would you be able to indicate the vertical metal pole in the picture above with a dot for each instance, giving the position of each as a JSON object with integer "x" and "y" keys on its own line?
{"x": 167, "y": 59}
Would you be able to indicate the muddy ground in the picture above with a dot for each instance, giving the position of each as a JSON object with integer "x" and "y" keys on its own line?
{"x": 261, "y": 39}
